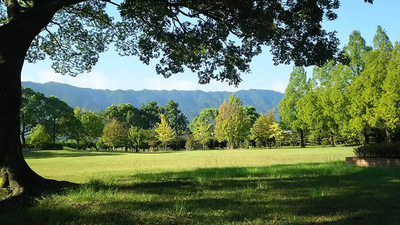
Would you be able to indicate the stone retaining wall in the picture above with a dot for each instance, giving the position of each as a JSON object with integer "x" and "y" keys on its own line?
{"x": 370, "y": 162}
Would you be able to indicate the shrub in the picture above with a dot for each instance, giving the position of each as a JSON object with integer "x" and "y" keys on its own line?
{"x": 177, "y": 143}
{"x": 71, "y": 144}
{"x": 50, "y": 146}
{"x": 381, "y": 150}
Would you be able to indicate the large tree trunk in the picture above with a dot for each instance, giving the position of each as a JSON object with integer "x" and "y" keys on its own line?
{"x": 364, "y": 138}
{"x": 15, "y": 39}
{"x": 388, "y": 136}
{"x": 332, "y": 140}
{"x": 302, "y": 138}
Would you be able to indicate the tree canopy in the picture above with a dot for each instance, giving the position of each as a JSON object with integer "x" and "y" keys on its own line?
{"x": 231, "y": 124}
{"x": 164, "y": 131}
{"x": 185, "y": 33}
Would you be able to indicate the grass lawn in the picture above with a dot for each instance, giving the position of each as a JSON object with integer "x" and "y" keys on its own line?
{"x": 262, "y": 186}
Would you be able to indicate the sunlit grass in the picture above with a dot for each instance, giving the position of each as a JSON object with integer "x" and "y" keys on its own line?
{"x": 311, "y": 186}
{"x": 83, "y": 166}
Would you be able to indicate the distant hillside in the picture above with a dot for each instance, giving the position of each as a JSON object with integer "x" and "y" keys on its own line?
{"x": 190, "y": 102}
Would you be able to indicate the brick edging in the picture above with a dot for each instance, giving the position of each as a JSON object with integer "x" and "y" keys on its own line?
{"x": 373, "y": 162}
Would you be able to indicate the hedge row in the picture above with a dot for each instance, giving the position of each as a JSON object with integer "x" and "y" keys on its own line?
{"x": 381, "y": 150}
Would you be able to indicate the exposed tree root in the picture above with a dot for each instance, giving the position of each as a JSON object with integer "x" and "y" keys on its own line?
{"x": 18, "y": 196}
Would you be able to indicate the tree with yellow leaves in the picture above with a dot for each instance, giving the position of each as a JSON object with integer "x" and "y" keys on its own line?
{"x": 164, "y": 132}
{"x": 265, "y": 129}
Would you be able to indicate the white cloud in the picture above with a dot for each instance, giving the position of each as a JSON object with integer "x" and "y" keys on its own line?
{"x": 185, "y": 83}
{"x": 278, "y": 85}
{"x": 160, "y": 83}
{"x": 96, "y": 80}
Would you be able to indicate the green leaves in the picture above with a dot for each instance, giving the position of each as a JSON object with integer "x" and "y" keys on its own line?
{"x": 74, "y": 38}
{"x": 264, "y": 129}
{"x": 202, "y": 132}
{"x": 216, "y": 39}
{"x": 355, "y": 100}
{"x": 115, "y": 135}
{"x": 231, "y": 124}
{"x": 289, "y": 106}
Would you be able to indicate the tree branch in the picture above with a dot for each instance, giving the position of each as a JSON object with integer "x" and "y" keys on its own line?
{"x": 112, "y": 3}
{"x": 66, "y": 30}
{"x": 94, "y": 16}
{"x": 58, "y": 43}
{"x": 13, "y": 8}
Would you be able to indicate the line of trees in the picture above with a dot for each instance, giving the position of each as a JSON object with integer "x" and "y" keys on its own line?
{"x": 233, "y": 125}
{"x": 354, "y": 100}
{"x": 357, "y": 100}
{"x": 46, "y": 120}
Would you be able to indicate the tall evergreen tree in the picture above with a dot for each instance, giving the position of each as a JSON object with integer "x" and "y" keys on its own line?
{"x": 290, "y": 104}
{"x": 355, "y": 50}
{"x": 366, "y": 90}
{"x": 389, "y": 105}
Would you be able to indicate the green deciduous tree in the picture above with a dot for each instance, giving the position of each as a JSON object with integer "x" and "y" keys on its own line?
{"x": 323, "y": 107}
{"x": 32, "y": 111}
{"x": 202, "y": 126}
{"x": 39, "y": 137}
{"x": 164, "y": 131}
{"x": 127, "y": 114}
{"x": 57, "y": 116}
{"x": 355, "y": 50}
{"x": 75, "y": 129}
{"x": 151, "y": 137}
{"x": 115, "y": 134}
{"x": 175, "y": 117}
{"x": 150, "y": 114}
{"x": 87, "y": 126}
{"x": 202, "y": 132}
{"x": 206, "y": 114}
{"x": 137, "y": 136}
{"x": 251, "y": 114}
{"x": 265, "y": 129}
{"x": 231, "y": 124}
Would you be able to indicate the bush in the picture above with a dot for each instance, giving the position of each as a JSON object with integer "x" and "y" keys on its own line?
{"x": 177, "y": 143}
{"x": 100, "y": 145}
{"x": 381, "y": 150}
{"x": 50, "y": 146}
{"x": 71, "y": 144}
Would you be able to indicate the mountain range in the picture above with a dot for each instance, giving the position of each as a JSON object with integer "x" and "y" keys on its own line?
{"x": 190, "y": 102}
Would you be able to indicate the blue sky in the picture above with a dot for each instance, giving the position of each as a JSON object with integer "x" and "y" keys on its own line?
{"x": 114, "y": 72}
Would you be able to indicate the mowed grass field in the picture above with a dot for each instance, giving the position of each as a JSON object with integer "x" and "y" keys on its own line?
{"x": 83, "y": 166}
{"x": 257, "y": 186}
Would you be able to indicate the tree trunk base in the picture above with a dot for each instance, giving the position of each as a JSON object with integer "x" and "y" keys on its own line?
{"x": 20, "y": 194}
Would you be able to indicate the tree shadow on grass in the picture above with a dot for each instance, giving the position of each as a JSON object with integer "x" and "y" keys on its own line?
{"x": 64, "y": 153}
{"x": 42, "y": 154}
{"x": 298, "y": 194}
